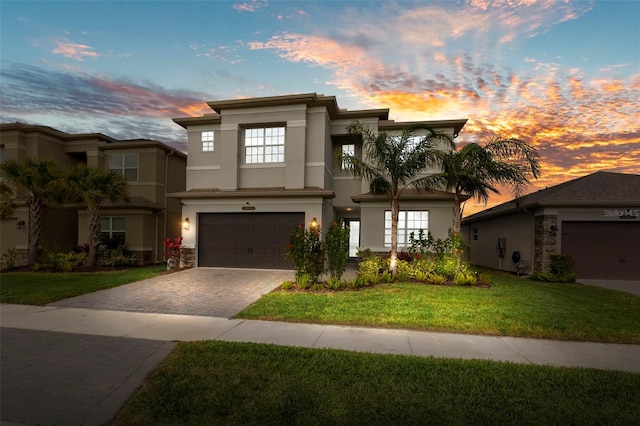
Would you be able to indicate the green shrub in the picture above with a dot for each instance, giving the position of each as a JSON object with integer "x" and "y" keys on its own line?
{"x": 436, "y": 279}
{"x": 69, "y": 261}
{"x": 422, "y": 276}
{"x": 386, "y": 277}
{"x": 303, "y": 281}
{"x": 118, "y": 256}
{"x": 334, "y": 283}
{"x": 8, "y": 260}
{"x": 561, "y": 264}
{"x": 336, "y": 247}
{"x": 464, "y": 279}
{"x": 287, "y": 285}
{"x": 542, "y": 276}
{"x": 360, "y": 281}
{"x": 364, "y": 253}
{"x": 406, "y": 271}
{"x": 485, "y": 279}
{"x": 448, "y": 265}
{"x": 372, "y": 266}
{"x": 305, "y": 252}
{"x": 561, "y": 270}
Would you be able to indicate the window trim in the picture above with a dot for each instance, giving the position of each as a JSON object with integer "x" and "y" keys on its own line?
{"x": 111, "y": 230}
{"x": 207, "y": 145}
{"x": 262, "y": 156}
{"x": 122, "y": 171}
{"x": 407, "y": 231}
{"x": 344, "y": 165}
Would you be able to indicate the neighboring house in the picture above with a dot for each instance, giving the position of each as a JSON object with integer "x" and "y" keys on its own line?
{"x": 258, "y": 167}
{"x": 595, "y": 219}
{"x": 151, "y": 168}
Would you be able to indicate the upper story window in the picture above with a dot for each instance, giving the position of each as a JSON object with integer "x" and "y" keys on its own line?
{"x": 125, "y": 165}
{"x": 207, "y": 141}
{"x": 264, "y": 145}
{"x": 408, "y": 221}
{"x": 412, "y": 142}
{"x": 347, "y": 149}
{"x": 112, "y": 228}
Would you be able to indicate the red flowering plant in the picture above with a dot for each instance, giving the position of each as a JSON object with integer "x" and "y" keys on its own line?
{"x": 172, "y": 251}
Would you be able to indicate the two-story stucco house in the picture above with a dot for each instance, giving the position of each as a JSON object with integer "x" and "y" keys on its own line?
{"x": 258, "y": 167}
{"x": 150, "y": 167}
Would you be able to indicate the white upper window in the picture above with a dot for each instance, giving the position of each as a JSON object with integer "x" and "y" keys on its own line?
{"x": 347, "y": 149}
{"x": 125, "y": 165}
{"x": 408, "y": 221}
{"x": 264, "y": 145}
{"x": 412, "y": 142}
{"x": 207, "y": 141}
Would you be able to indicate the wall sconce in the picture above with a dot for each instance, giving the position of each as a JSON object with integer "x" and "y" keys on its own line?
{"x": 553, "y": 229}
{"x": 185, "y": 224}
{"x": 20, "y": 225}
{"x": 314, "y": 223}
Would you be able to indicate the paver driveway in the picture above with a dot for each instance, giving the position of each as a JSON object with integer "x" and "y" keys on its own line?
{"x": 214, "y": 292}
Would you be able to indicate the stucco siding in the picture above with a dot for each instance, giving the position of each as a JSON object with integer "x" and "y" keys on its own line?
{"x": 518, "y": 231}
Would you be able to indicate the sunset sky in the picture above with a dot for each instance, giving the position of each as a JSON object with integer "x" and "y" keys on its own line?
{"x": 562, "y": 75}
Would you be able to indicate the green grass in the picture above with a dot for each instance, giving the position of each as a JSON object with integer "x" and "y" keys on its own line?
{"x": 41, "y": 288}
{"x": 242, "y": 383}
{"x": 513, "y": 307}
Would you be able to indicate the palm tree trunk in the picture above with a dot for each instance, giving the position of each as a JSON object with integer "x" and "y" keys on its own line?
{"x": 393, "y": 258}
{"x": 93, "y": 212}
{"x": 457, "y": 203}
{"x": 35, "y": 229}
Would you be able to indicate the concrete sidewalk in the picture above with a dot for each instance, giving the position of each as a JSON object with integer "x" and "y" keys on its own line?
{"x": 163, "y": 327}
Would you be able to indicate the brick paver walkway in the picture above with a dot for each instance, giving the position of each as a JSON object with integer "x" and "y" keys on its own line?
{"x": 214, "y": 292}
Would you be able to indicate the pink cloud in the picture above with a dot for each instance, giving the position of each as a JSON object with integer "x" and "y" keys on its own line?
{"x": 74, "y": 50}
{"x": 251, "y": 6}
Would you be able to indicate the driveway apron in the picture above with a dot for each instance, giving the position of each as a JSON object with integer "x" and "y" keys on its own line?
{"x": 214, "y": 292}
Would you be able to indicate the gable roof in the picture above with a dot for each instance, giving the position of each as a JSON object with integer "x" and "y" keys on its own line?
{"x": 597, "y": 189}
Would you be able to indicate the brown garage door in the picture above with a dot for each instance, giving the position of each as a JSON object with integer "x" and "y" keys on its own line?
{"x": 603, "y": 250}
{"x": 245, "y": 240}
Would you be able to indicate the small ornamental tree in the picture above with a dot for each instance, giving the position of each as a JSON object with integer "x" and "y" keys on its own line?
{"x": 336, "y": 247}
{"x": 305, "y": 252}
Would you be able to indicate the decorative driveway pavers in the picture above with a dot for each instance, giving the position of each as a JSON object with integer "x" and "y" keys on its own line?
{"x": 71, "y": 379}
{"x": 214, "y": 292}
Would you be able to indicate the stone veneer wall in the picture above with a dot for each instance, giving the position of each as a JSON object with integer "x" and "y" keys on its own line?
{"x": 545, "y": 242}
{"x": 187, "y": 258}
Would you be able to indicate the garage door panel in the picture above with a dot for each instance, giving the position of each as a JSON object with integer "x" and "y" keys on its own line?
{"x": 245, "y": 240}
{"x": 603, "y": 250}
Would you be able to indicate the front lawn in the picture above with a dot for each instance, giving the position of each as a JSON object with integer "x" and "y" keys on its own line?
{"x": 41, "y": 288}
{"x": 512, "y": 307}
{"x": 242, "y": 383}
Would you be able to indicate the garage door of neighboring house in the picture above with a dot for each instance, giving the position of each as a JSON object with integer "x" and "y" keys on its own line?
{"x": 603, "y": 250}
{"x": 245, "y": 240}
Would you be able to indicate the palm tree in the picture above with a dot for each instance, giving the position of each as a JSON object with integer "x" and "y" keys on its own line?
{"x": 34, "y": 182}
{"x": 92, "y": 186}
{"x": 476, "y": 170}
{"x": 393, "y": 163}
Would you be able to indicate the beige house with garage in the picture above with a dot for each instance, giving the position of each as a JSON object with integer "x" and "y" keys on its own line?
{"x": 595, "y": 219}
{"x": 151, "y": 168}
{"x": 258, "y": 167}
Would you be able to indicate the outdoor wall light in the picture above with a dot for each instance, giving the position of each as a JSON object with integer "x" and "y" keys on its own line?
{"x": 553, "y": 229}
{"x": 20, "y": 225}
{"x": 314, "y": 223}
{"x": 185, "y": 224}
